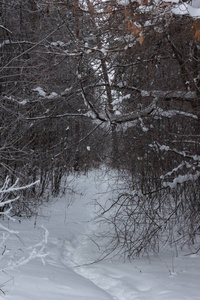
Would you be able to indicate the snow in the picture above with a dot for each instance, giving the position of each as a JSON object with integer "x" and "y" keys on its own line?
{"x": 196, "y": 3}
{"x": 182, "y": 153}
{"x": 40, "y": 90}
{"x": 117, "y": 113}
{"x": 186, "y": 9}
{"x": 58, "y": 44}
{"x": 171, "y": 113}
{"x": 181, "y": 179}
{"x": 192, "y": 9}
{"x": 23, "y": 102}
{"x": 42, "y": 93}
{"x": 63, "y": 233}
{"x": 6, "y": 42}
{"x": 52, "y": 95}
{"x": 123, "y": 2}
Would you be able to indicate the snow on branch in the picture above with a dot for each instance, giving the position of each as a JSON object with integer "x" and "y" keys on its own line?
{"x": 136, "y": 114}
{"x": 14, "y": 187}
{"x": 172, "y": 113}
{"x": 31, "y": 48}
{"x": 67, "y": 115}
{"x": 33, "y": 254}
{"x": 181, "y": 179}
{"x": 169, "y": 94}
{"x": 90, "y": 106}
{"x": 43, "y": 94}
{"x": 38, "y": 250}
{"x": 9, "y": 42}
{"x": 5, "y": 28}
{"x": 2, "y": 204}
{"x": 178, "y": 168}
{"x": 195, "y": 157}
{"x": 6, "y": 229}
{"x": 93, "y": 113}
{"x": 6, "y": 189}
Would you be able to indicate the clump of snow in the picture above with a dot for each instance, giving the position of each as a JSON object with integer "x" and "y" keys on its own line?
{"x": 145, "y": 93}
{"x": 103, "y": 50}
{"x": 123, "y": 2}
{"x": 120, "y": 84}
{"x": 58, "y": 44}
{"x": 90, "y": 114}
{"x": 23, "y": 102}
{"x": 164, "y": 148}
{"x": 143, "y": 127}
{"x": 52, "y": 95}
{"x": 117, "y": 113}
{"x": 171, "y": 113}
{"x": 43, "y": 94}
{"x": 40, "y": 90}
{"x": 66, "y": 91}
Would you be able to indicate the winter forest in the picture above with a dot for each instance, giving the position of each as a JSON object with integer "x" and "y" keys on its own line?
{"x": 88, "y": 85}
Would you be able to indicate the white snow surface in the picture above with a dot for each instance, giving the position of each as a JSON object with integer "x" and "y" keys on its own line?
{"x": 186, "y": 9}
{"x": 69, "y": 272}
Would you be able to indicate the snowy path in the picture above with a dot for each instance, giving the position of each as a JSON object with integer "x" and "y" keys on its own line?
{"x": 153, "y": 278}
{"x": 54, "y": 280}
{"x": 66, "y": 275}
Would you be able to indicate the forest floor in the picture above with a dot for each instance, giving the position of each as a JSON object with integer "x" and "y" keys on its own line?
{"x": 52, "y": 257}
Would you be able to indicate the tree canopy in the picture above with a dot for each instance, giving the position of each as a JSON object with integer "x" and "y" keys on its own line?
{"x": 84, "y": 83}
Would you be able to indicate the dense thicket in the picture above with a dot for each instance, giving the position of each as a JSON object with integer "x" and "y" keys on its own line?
{"x": 87, "y": 82}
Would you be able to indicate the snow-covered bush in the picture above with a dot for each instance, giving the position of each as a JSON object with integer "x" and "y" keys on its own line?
{"x": 9, "y": 259}
{"x": 136, "y": 223}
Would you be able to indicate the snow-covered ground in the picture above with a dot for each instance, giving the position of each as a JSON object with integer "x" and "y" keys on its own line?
{"x": 66, "y": 270}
